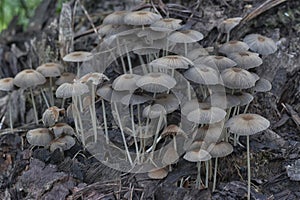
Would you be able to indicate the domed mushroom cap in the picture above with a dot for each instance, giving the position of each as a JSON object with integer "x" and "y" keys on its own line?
{"x": 65, "y": 77}
{"x": 95, "y": 78}
{"x": 135, "y": 99}
{"x": 116, "y": 17}
{"x": 154, "y": 111}
{"x": 60, "y": 129}
{"x": 262, "y": 85}
{"x": 260, "y": 44}
{"x": 166, "y": 24}
{"x": 51, "y": 115}
{"x": 39, "y": 137}
{"x": 223, "y": 100}
{"x": 237, "y": 78}
{"x": 156, "y": 82}
{"x": 197, "y": 155}
{"x": 185, "y": 36}
{"x": 112, "y": 29}
{"x": 78, "y": 56}
{"x": 6, "y": 84}
{"x": 170, "y": 156}
{"x": 246, "y": 59}
{"x": 126, "y": 82}
{"x": 141, "y": 18}
{"x": 228, "y": 24}
{"x": 244, "y": 97}
{"x": 67, "y": 90}
{"x": 168, "y": 101}
{"x": 205, "y": 60}
{"x": 247, "y": 124}
{"x": 196, "y": 53}
{"x": 158, "y": 173}
{"x": 203, "y": 75}
{"x": 49, "y": 69}
{"x": 220, "y": 149}
{"x": 210, "y": 133}
{"x": 63, "y": 143}
{"x": 172, "y": 62}
{"x": 29, "y": 78}
{"x": 223, "y": 62}
{"x": 105, "y": 92}
{"x": 206, "y": 114}
{"x": 173, "y": 130}
{"x": 233, "y": 46}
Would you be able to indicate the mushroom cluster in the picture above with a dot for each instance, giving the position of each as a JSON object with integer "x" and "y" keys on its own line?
{"x": 165, "y": 75}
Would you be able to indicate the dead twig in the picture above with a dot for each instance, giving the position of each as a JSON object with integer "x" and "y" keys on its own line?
{"x": 292, "y": 112}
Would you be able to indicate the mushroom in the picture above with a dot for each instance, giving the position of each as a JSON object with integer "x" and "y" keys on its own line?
{"x": 217, "y": 150}
{"x": 50, "y": 70}
{"x": 227, "y": 25}
{"x": 196, "y": 53}
{"x": 156, "y": 82}
{"x": 7, "y": 85}
{"x": 141, "y": 18}
{"x": 93, "y": 79}
{"x": 233, "y": 46}
{"x": 206, "y": 114}
{"x": 260, "y": 44}
{"x": 158, "y": 173}
{"x": 62, "y": 143}
{"x": 237, "y": 78}
{"x": 262, "y": 85}
{"x": 116, "y": 18}
{"x": 185, "y": 36}
{"x": 166, "y": 25}
{"x": 51, "y": 115}
{"x": 39, "y": 137}
{"x": 198, "y": 155}
{"x": 78, "y": 56}
{"x": 30, "y": 78}
{"x": 246, "y": 59}
{"x": 246, "y": 125}
{"x": 223, "y": 62}
{"x": 60, "y": 129}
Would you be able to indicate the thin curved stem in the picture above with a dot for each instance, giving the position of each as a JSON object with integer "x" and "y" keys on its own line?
{"x": 248, "y": 167}
{"x": 215, "y": 174}
{"x": 34, "y": 107}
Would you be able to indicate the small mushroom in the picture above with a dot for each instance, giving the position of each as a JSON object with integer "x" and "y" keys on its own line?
{"x": 233, "y": 46}
{"x": 116, "y": 18}
{"x": 260, "y": 44}
{"x": 246, "y": 59}
{"x": 7, "y": 85}
{"x": 78, "y": 56}
{"x": 60, "y": 129}
{"x": 39, "y": 137}
{"x": 141, "y": 18}
{"x": 30, "y": 78}
{"x": 51, "y": 115}
{"x": 159, "y": 173}
{"x": 63, "y": 143}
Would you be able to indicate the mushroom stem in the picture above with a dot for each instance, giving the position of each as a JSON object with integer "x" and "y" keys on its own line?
{"x": 215, "y": 174}
{"x": 45, "y": 98}
{"x": 123, "y": 135}
{"x": 34, "y": 107}
{"x": 246, "y": 108}
{"x": 156, "y": 134}
{"x": 198, "y": 180}
{"x": 134, "y": 134}
{"x": 10, "y": 112}
{"x": 248, "y": 167}
{"x": 206, "y": 174}
{"x": 51, "y": 92}
{"x": 78, "y": 70}
{"x": 94, "y": 113}
{"x": 105, "y": 121}
{"x": 128, "y": 60}
{"x": 189, "y": 91}
{"x": 185, "y": 49}
{"x": 121, "y": 56}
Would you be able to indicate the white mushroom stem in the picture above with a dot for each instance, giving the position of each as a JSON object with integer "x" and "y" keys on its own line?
{"x": 76, "y": 115}
{"x": 123, "y": 135}
{"x": 185, "y": 49}
{"x": 134, "y": 135}
{"x": 128, "y": 60}
{"x": 156, "y": 134}
{"x": 248, "y": 166}
{"x": 189, "y": 91}
{"x": 206, "y": 173}
{"x": 93, "y": 113}
{"x": 34, "y": 107}
{"x": 51, "y": 92}
{"x": 10, "y": 112}
{"x": 198, "y": 180}
{"x": 78, "y": 70}
{"x": 45, "y": 98}
{"x": 121, "y": 56}
{"x": 215, "y": 174}
{"x": 105, "y": 121}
